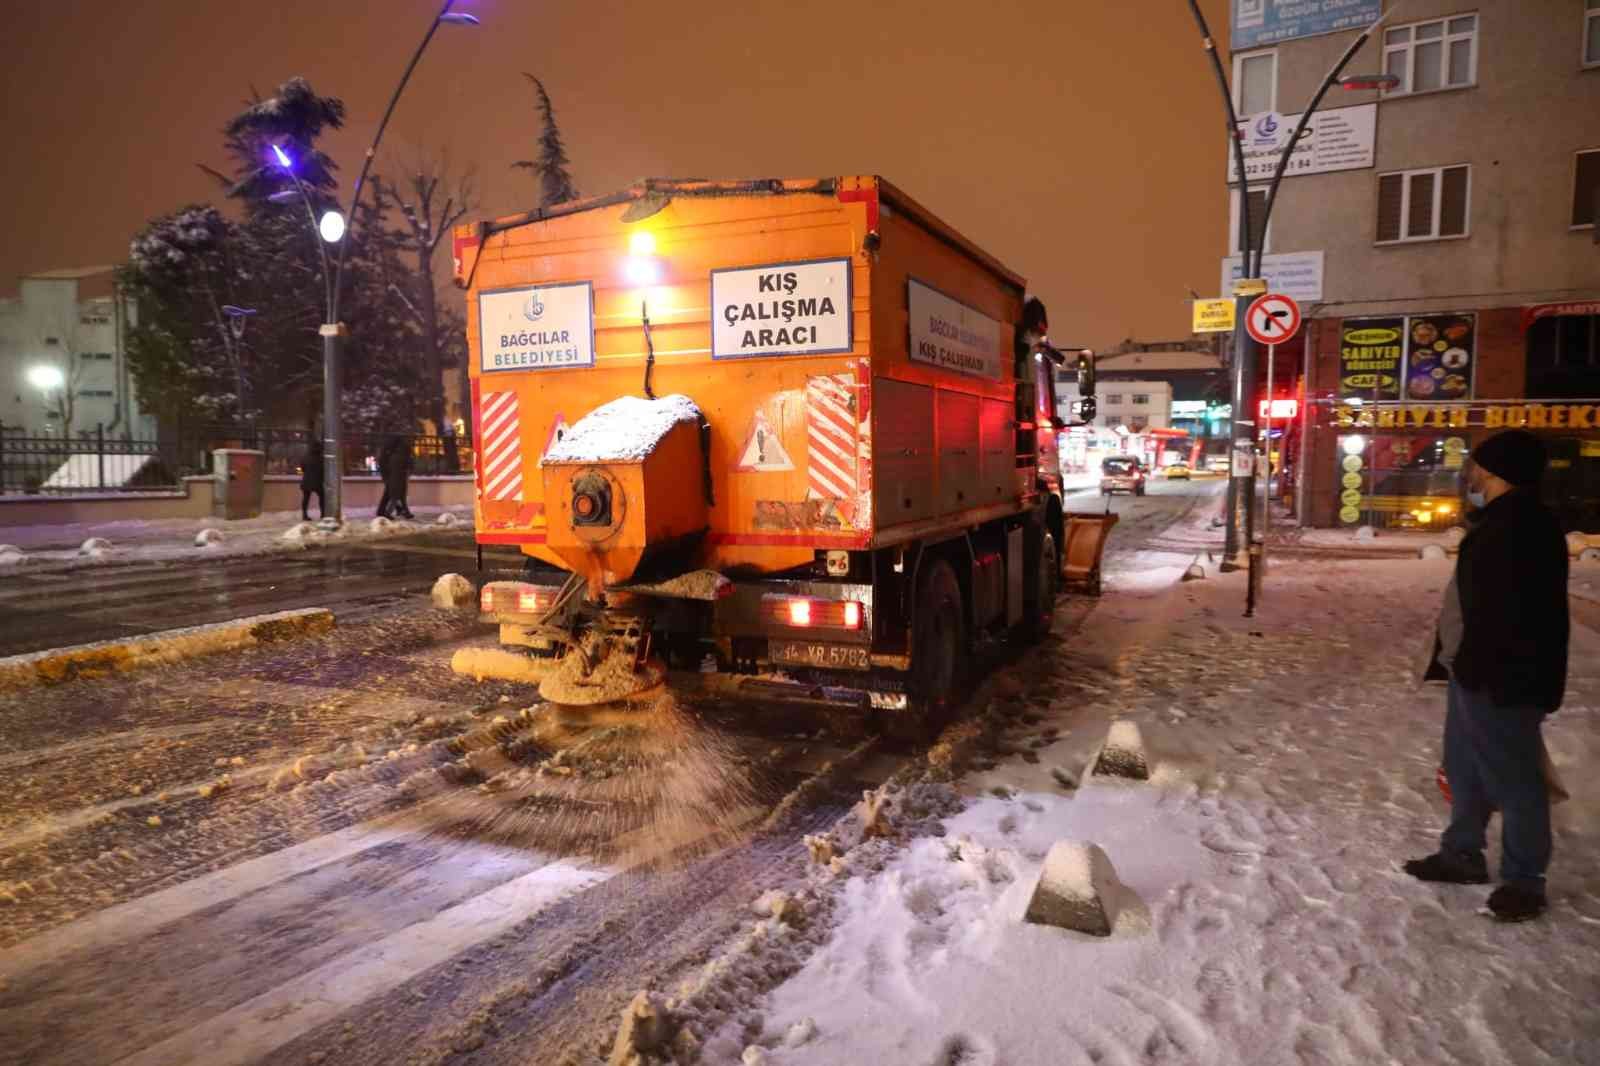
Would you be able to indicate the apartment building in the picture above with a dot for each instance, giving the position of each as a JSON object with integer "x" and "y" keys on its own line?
{"x": 1441, "y": 238}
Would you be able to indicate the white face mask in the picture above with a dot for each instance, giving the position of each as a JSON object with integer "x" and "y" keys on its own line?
{"x": 1477, "y": 499}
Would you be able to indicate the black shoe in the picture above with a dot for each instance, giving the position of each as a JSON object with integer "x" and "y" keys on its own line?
{"x": 1452, "y": 868}
{"x": 1517, "y": 902}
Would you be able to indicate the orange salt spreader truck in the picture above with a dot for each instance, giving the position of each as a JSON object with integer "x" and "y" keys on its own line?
{"x": 791, "y": 436}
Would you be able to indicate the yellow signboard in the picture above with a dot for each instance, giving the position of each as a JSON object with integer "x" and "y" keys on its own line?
{"x": 1250, "y": 286}
{"x": 1213, "y": 316}
{"x": 1445, "y": 416}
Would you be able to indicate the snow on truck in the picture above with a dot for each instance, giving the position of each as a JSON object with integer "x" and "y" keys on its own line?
{"x": 792, "y": 436}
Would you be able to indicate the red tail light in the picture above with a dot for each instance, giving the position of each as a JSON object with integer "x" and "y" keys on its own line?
{"x": 804, "y": 612}
{"x": 518, "y": 597}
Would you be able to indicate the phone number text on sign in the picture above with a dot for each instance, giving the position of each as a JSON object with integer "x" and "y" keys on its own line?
{"x": 544, "y": 327}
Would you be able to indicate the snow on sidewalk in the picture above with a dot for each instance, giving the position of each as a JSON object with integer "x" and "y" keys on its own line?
{"x": 163, "y": 540}
{"x": 1294, "y": 769}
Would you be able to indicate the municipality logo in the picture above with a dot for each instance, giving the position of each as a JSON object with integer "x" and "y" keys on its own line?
{"x": 1267, "y": 126}
{"x": 533, "y": 310}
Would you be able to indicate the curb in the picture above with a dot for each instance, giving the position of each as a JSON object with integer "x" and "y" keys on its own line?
{"x": 56, "y": 665}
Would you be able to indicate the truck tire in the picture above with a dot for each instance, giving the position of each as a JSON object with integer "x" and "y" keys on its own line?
{"x": 1043, "y": 585}
{"x": 938, "y": 649}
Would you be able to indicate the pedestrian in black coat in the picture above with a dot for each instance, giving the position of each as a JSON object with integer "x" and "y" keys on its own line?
{"x": 311, "y": 482}
{"x": 394, "y": 466}
{"x": 1502, "y": 645}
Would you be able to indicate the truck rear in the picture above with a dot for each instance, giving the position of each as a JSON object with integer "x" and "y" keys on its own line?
{"x": 791, "y": 435}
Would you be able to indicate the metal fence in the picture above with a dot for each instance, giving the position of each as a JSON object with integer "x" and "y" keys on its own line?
{"x": 93, "y": 461}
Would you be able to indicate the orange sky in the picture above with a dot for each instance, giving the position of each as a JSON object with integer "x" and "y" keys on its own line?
{"x": 1077, "y": 140}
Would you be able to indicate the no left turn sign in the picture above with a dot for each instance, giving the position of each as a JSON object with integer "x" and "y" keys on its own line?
{"x": 1273, "y": 318}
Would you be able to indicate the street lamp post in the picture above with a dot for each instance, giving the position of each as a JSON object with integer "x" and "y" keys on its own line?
{"x": 332, "y": 229}
{"x": 1251, "y": 253}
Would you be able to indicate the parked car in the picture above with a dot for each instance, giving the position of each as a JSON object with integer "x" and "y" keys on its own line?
{"x": 1177, "y": 471}
{"x": 1121, "y": 473}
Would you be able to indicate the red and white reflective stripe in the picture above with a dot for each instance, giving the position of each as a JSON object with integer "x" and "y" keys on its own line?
{"x": 831, "y": 437}
{"x": 500, "y": 472}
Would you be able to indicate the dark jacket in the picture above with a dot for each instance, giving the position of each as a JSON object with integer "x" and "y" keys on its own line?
{"x": 311, "y": 468}
{"x": 1512, "y": 579}
{"x": 394, "y": 462}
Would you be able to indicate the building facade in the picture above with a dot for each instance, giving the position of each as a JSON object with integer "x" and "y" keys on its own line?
{"x": 63, "y": 365}
{"x": 1440, "y": 236}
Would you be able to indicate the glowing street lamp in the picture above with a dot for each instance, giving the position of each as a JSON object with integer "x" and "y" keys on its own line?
{"x": 46, "y": 378}
{"x": 331, "y": 226}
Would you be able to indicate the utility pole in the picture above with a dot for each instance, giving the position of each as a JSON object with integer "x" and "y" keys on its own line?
{"x": 1241, "y": 486}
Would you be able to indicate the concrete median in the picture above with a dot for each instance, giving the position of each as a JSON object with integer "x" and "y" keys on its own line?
{"x": 56, "y": 665}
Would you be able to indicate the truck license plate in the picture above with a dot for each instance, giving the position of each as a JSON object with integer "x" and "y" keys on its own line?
{"x": 828, "y": 656}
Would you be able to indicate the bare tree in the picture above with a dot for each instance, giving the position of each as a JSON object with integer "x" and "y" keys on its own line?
{"x": 60, "y": 398}
{"x": 551, "y": 169}
{"x": 431, "y": 199}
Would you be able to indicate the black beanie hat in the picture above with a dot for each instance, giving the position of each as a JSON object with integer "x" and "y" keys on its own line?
{"x": 1515, "y": 455}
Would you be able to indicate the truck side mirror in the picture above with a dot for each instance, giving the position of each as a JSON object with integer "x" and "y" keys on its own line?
{"x": 1085, "y": 375}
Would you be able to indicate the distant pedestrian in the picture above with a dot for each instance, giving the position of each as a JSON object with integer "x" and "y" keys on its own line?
{"x": 1502, "y": 646}
{"x": 394, "y": 466}
{"x": 311, "y": 482}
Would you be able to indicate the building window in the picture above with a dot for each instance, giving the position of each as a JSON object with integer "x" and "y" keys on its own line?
{"x": 103, "y": 394}
{"x": 1255, "y": 83}
{"x": 1564, "y": 357}
{"x": 1586, "y": 186}
{"x": 1591, "y": 36}
{"x": 1113, "y": 420}
{"x": 1423, "y": 205}
{"x": 1258, "y": 211}
{"x": 1429, "y": 56}
{"x": 1113, "y": 398}
{"x": 1141, "y": 399}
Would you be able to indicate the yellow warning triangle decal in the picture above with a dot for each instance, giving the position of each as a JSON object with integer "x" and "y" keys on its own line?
{"x": 763, "y": 448}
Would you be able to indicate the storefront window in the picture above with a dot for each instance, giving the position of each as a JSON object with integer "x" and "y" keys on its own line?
{"x": 1564, "y": 357}
{"x": 1393, "y": 481}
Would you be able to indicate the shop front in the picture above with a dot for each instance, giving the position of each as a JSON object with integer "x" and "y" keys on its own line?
{"x": 1400, "y": 401}
{"x": 1398, "y": 465}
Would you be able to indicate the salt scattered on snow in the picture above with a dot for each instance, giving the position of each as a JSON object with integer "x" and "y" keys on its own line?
{"x": 622, "y": 431}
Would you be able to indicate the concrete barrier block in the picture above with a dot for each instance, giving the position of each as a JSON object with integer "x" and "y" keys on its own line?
{"x": 453, "y": 591}
{"x": 1078, "y": 889}
{"x": 1124, "y": 752}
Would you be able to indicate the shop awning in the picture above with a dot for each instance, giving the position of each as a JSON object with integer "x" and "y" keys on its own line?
{"x": 1530, "y": 315}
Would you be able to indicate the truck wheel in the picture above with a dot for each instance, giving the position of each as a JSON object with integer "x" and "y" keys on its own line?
{"x": 1039, "y": 598}
{"x": 938, "y": 645}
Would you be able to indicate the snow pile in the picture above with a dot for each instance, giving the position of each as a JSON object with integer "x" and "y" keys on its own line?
{"x": 208, "y": 538}
{"x": 95, "y": 548}
{"x": 626, "y": 430}
{"x": 301, "y": 532}
{"x": 11, "y": 555}
{"x": 447, "y": 519}
{"x": 1366, "y": 533}
{"x": 380, "y": 524}
{"x": 454, "y": 591}
{"x": 1431, "y": 551}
